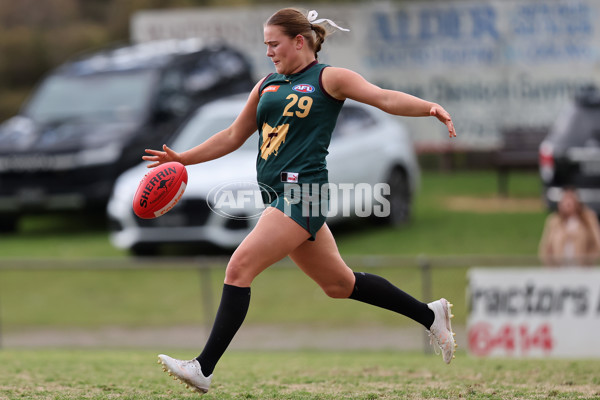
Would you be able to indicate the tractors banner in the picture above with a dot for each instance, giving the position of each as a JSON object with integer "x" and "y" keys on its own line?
{"x": 534, "y": 312}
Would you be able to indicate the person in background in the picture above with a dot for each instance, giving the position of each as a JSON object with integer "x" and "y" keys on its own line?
{"x": 571, "y": 234}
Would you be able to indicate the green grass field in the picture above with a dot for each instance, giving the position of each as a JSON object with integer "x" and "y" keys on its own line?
{"x": 78, "y": 374}
{"x": 91, "y": 299}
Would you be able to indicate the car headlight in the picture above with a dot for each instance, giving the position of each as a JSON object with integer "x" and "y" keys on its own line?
{"x": 106, "y": 154}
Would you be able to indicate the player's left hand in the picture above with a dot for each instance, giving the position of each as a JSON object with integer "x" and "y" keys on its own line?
{"x": 445, "y": 118}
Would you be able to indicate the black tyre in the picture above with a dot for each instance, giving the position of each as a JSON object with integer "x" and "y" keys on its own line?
{"x": 400, "y": 199}
{"x": 8, "y": 223}
{"x": 145, "y": 250}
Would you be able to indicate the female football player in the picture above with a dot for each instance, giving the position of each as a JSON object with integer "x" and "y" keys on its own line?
{"x": 295, "y": 111}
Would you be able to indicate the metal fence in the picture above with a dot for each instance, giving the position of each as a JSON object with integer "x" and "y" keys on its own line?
{"x": 204, "y": 266}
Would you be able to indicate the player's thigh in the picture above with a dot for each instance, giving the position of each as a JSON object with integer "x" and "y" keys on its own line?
{"x": 274, "y": 237}
{"x": 322, "y": 262}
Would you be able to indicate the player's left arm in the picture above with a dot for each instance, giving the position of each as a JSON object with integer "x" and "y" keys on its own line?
{"x": 344, "y": 84}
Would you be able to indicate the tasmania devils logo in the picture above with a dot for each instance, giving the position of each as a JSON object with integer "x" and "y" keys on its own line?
{"x": 272, "y": 137}
{"x": 304, "y": 88}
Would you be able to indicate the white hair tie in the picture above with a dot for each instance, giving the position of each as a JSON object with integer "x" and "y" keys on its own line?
{"x": 312, "y": 18}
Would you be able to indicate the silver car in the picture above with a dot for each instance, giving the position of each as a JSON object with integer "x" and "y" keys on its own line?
{"x": 372, "y": 167}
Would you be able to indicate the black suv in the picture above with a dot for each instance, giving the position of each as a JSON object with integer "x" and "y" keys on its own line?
{"x": 92, "y": 117}
{"x": 570, "y": 154}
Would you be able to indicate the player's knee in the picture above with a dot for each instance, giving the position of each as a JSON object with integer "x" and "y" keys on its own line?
{"x": 338, "y": 290}
{"x": 238, "y": 272}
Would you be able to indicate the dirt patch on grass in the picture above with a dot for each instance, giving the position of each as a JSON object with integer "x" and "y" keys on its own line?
{"x": 494, "y": 204}
{"x": 269, "y": 337}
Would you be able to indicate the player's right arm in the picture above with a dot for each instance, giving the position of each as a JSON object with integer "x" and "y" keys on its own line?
{"x": 218, "y": 145}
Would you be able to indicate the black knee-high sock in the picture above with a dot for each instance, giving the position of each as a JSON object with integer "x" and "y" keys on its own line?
{"x": 230, "y": 315}
{"x": 377, "y": 291}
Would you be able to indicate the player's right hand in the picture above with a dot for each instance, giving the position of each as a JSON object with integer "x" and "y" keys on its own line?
{"x": 160, "y": 157}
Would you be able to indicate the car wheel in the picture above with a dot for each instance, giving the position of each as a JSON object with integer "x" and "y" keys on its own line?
{"x": 145, "y": 249}
{"x": 8, "y": 223}
{"x": 399, "y": 198}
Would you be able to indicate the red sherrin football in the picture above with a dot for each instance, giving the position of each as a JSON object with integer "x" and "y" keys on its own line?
{"x": 159, "y": 190}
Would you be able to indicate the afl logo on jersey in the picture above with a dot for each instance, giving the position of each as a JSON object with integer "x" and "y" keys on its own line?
{"x": 304, "y": 88}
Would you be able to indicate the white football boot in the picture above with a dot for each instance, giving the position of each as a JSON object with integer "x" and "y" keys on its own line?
{"x": 188, "y": 373}
{"x": 441, "y": 329}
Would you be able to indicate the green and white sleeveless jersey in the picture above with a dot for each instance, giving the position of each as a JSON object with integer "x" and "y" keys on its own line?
{"x": 295, "y": 118}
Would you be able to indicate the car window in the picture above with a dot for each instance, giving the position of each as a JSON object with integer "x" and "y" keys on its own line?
{"x": 123, "y": 95}
{"x": 576, "y": 126}
{"x": 205, "y": 71}
{"x": 171, "y": 81}
{"x": 351, "y": 122}
{"x": 190, "y": 76}
{"x": 202, "y": 126}
{"x": 208, "y": 69}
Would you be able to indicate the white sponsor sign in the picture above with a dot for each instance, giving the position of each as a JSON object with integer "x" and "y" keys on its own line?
{"x": 533, "y": 312}
{"x": 494, "y": 65}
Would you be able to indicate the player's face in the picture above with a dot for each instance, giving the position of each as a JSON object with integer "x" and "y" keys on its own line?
{"x": 281, "y": 50}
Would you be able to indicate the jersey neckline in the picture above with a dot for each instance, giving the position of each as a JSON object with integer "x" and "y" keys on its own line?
{"x": 309, "y": 66}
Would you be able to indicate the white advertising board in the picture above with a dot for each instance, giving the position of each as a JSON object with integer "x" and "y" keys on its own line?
{"x": 534, "y": 312}
{"x": 495, "y": 65}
